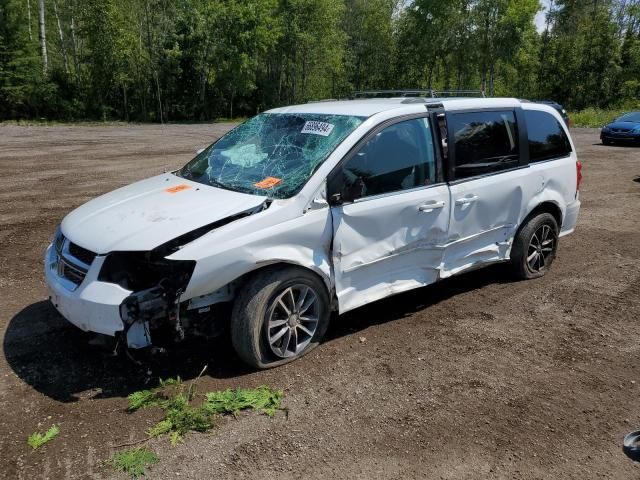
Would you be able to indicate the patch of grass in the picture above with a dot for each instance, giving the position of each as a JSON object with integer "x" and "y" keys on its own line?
{"x": 134, "y": 462}
{"x": 142, "y": 399}
{"x": 181, "y": 416}
{"x": 36, "y": 440}
{"x": 159, "y": 398}
{"x": 230, "y": 401}
{"x": 597, "y": 117}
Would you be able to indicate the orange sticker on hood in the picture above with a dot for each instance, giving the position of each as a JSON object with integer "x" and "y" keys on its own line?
{"x": 178, "y": 188}
{"x": 268, "y": 182}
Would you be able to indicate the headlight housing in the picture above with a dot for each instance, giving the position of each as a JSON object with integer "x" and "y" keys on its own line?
{"x": 58, "y": 240}
{"x": 142, "y": 270}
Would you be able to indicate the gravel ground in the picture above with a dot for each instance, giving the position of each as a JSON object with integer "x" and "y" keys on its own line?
{"x": 476, "y": 377}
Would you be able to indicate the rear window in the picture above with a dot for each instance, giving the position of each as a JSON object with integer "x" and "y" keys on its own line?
{"x": 547, "y": 138}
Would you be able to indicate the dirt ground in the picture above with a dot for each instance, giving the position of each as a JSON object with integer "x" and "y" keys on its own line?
{"x": 476, "y": 377}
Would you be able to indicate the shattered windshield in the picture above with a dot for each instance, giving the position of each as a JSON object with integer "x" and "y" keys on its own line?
{"x": 272, "y": 154}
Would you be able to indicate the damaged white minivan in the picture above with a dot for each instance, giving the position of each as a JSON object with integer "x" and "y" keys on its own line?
{"x": 309, "y": 209}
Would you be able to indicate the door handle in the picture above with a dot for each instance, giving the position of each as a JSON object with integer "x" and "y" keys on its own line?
{"x": 430, "y": 207}
{"x": 466, "y": 200}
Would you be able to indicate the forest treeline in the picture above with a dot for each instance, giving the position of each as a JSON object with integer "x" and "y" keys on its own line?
{"x": 173, "y": 60}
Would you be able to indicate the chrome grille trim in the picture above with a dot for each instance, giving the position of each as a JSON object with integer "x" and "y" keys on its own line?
{"x": 72, "y": 267}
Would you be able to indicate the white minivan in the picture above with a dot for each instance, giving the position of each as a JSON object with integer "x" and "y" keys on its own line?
{"x": 309, "y": 209}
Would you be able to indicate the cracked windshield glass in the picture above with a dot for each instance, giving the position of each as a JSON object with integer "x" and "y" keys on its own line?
{"x": 271, "y": 154}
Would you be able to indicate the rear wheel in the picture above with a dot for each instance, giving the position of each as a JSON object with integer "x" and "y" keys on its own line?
{"x": 281, "y": 315}
{"x": 534, "y": 248}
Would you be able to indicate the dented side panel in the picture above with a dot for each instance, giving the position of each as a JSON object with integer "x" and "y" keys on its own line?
{"x": 487, "y": 212}
{"x": 485, "y": 215}
{"x": 388, "y": 244}
{"x": 248, "y": 244}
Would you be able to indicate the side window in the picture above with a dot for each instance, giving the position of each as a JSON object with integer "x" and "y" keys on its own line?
{"x": 400, "y": 157}
{"x": 484, "y": 142}
{"x": 547, "y": 138}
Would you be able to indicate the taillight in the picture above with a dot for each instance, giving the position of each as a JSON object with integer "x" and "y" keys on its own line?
{"x": 578, "y": 175}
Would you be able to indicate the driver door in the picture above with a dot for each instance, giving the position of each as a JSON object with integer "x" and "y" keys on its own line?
{"x": 390, "y": 214}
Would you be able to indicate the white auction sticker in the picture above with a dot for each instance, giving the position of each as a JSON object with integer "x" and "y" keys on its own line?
{"x": 317, "y": 128}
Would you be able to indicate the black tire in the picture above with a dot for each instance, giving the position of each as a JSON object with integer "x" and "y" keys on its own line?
{"x": 523, "y": 247}
{"x": 256, "y": 305}
{"x": 606, "y": 142}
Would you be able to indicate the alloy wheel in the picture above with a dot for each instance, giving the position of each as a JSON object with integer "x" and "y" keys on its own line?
{"x": 541, "y": 247}
{"x": 292, "y": 320}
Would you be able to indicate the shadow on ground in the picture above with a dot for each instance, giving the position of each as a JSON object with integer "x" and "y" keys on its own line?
{"x": 55, "y": 358}
{"x": 617, "y": 145}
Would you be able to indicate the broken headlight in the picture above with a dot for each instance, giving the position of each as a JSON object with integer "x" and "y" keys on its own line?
{"x": 143, "y": 270}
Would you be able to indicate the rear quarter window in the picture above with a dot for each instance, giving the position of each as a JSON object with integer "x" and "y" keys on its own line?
{"x": 547, "y": 138}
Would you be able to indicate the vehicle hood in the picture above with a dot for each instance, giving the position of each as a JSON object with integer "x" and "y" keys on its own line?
{"x": 146, "y": 214}
{"x": 623, "y": 125}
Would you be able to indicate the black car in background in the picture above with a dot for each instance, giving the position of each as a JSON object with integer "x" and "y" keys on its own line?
{"x": 563, "y": 113}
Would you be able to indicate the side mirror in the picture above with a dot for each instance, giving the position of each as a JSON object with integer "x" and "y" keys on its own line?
{"x": 335, "y": 200}
{"x": 341, "y": 196}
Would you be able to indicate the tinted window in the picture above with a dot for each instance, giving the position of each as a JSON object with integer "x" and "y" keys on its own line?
{"x": 399, "y": 157}
{"x": 629, "y": 117}
{"x": 485, "y": 142}
{"x": 547, "y": 138}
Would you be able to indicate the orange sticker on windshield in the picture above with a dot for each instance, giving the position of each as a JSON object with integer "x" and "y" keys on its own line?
{"x": 268, "y": 182}
{"x": 178, "y": 188}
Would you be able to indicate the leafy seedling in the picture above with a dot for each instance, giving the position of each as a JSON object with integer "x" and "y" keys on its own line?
{"x": 230, "y": 401}
{"x": 142, "y": 399}
{"x": 134, "y": 462}
{"x": 182, "y": 417}
{"x": 36, "y": 440}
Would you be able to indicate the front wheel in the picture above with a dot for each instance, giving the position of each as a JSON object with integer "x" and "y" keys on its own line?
{"x": 534, "y": 248}
{"x": 281, "y": 315}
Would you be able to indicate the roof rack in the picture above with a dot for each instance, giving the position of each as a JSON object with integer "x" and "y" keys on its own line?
{"x": 429, "y": 93}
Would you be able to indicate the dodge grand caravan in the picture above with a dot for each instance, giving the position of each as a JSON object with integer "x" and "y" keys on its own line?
{"x": 309, "y": 209}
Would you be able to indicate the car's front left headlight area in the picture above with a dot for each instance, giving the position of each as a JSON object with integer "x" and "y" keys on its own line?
{"x": 156, "y": 284}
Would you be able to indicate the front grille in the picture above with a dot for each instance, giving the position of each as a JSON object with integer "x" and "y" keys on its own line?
{"x": 82, "y": 254}
{"x": 621, "y": 130}
{"x": 73, "y": 260}
{"x": 71, "y": 272}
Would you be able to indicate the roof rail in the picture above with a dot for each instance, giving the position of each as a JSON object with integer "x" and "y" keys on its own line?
{"x": 394, "y": 93}
{"x": 428, "y": 93}
{"x": 460, "y": 93}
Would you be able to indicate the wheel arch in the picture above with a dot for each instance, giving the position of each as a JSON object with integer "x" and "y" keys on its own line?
{"x": 228, "y": 291}
{"x": 547, "y": 206}
{"x": 282, "y": 263}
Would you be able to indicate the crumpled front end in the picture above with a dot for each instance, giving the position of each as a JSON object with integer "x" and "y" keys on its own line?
{"x": 121, "y": 293}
